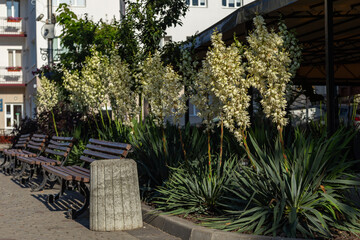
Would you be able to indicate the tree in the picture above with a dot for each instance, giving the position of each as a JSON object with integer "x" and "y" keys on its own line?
{"x": 152, "y": 18}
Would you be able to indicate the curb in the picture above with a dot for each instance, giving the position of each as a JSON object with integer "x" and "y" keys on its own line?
{"x": 186, "y": 230}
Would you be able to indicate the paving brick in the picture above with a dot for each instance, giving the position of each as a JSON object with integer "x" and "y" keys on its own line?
{"x": 27, "y": 216}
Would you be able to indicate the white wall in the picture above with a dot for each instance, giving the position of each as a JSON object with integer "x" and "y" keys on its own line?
{"x": 198, "y": 19}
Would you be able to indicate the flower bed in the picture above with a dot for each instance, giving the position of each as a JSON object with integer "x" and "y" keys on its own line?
{"x": 14, "y": 19}
{"x": 14, "y": 69}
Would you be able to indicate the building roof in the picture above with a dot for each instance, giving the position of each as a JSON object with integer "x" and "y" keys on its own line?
{"x": 306, "y": 17}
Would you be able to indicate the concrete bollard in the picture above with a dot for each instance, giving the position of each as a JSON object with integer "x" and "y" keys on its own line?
{"x": 114, "y": 195}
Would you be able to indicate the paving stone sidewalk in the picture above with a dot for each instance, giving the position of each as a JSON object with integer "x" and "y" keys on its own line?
{"x": 27, "y": 216}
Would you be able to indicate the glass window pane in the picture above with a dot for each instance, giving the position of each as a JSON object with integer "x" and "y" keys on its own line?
{"x": 224, "y": 3}
{"x": 188, "y": 2}
{"x": 80, "y": 3}
{"x": 18, "y": 58}
{"x": 8, "y": 122}
{"x": 16, "y": 5}
{"x": 202, "y": 2}
{"x": 11, "y": 59}
{"x": 231, "y": 3}
{"x": 238, "y": 3}
{"x": 17, "y": 114}
{"x": 8, "y": 109}
{"x": 195, "y": 2}
{"x": 8, "y": 8}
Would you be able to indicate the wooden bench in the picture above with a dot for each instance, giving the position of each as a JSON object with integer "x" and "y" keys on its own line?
{"x": 33, "y": 148}
{"x": 56, "y": 153}
{"x": 78, "y": 177}
{"x": 20, "y": 144}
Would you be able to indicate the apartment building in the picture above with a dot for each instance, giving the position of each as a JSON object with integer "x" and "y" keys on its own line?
{"x": 201, "y": 15}
{"x": 23, "y": 49}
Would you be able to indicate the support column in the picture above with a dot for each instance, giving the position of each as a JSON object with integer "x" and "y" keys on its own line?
{"x": 330, "y": 82}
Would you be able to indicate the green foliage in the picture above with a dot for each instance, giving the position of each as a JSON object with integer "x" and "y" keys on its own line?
{"x": 153, "y": 161}
{"x": 307, "y": 198}
{"x": 80, "y": 35}
{"x": 152, "y": 18}
{"x": 192, "y": 190}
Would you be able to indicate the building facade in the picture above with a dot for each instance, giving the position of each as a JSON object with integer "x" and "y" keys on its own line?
{"x": 201, "y": 15}
{"x": 23, "y": 50}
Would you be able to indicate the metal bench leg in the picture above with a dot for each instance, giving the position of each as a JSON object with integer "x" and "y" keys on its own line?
{"x": 72, "y": 213}
{"x": 51, "y": 198}
{"x": 22, "y": 171}
{"x": 41, "y": 186}
{"x": 5, "y": 160}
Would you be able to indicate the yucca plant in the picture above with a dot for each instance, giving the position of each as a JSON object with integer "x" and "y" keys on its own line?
{"x": 154, "y": 162}
{"x": 306, "y": 199}
{"x": 196, "y": 189}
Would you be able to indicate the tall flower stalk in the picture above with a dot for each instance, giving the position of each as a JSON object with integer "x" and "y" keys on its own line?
{"x": 48, "y": 97}
{"x": 162, "y": 87}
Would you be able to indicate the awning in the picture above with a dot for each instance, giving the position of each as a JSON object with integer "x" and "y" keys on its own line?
{"x": 306, "y": 17}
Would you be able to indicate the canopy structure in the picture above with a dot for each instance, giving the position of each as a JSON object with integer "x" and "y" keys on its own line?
{"x": 329, "y": 31}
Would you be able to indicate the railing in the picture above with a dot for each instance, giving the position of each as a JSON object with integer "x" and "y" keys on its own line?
{"x": 11, "y": 26}
{"x": 56, "y": 54}
{"x": 11, "y": 75}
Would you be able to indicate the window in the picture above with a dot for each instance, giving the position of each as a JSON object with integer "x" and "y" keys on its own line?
{"x": 13, "y": 8}
{"x": 73, "y": 3}
{"x": 196, "y": 3}
{"x": 231, "y": 3}
{"x": 14, "y": 58}
{"x": 167, "y": 39}
{"x": 13, "y": 115}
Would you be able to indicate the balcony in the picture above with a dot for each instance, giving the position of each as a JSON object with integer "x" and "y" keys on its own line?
{"x": 11, "y": 76}
{"x": 11, "y": 27}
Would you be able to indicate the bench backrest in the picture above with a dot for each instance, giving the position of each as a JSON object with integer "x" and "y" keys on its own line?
{"x": 37, "y": 143}
{"x": 59, "y": 146}
{"x": 22, "y": 141}
{"x": 99, "y": 149}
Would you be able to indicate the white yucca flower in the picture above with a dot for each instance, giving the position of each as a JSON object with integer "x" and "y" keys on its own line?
{"x": 48, "y": 95}
{"x": 120, "y": 87}
{"x": 268, "y": 65}
{"x": 229, "y": 85}
{"x": 88, "y": 89}
{"x": 162, "y": 87}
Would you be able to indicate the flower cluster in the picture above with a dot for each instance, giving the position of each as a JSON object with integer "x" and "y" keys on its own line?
{"x": 48, "y": 95}
{"x": 204, "y": 99}
{"x": 229, "y": 85}
{"x": 292, "y": 46}
{"x": 120, "y": 89}
{"x": 162, "y": 87}
{"x": 88, "y": 89}
{"x": 268, "y": 65}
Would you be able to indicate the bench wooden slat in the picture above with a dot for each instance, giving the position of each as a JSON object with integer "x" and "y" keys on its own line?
{"x": 100, "y": 155}
{"x": 111, "y": 144}
{"x": 43, "y": 160}
{"x": 75, "y": 176}
{"x": 62, "y": 144}
{"x": 25, "y": 135}
{"x": 52, "y": 146}
{"x": 87, "y": 159}
{"x": 55, "y": 171}
{"x": 21, "y": 145}
{"x": 59, "y": 153}
{"x": 34, "y": 139}
{"x": 34, "y": 147}
{"x": 78, "y": 171}
{"x": 40, "y": 136}
{"x": 36, "y": 143}
{"x": 62, "y": 138}
{"x": 82, "y": 169}
{"x": 106, "y": 150}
